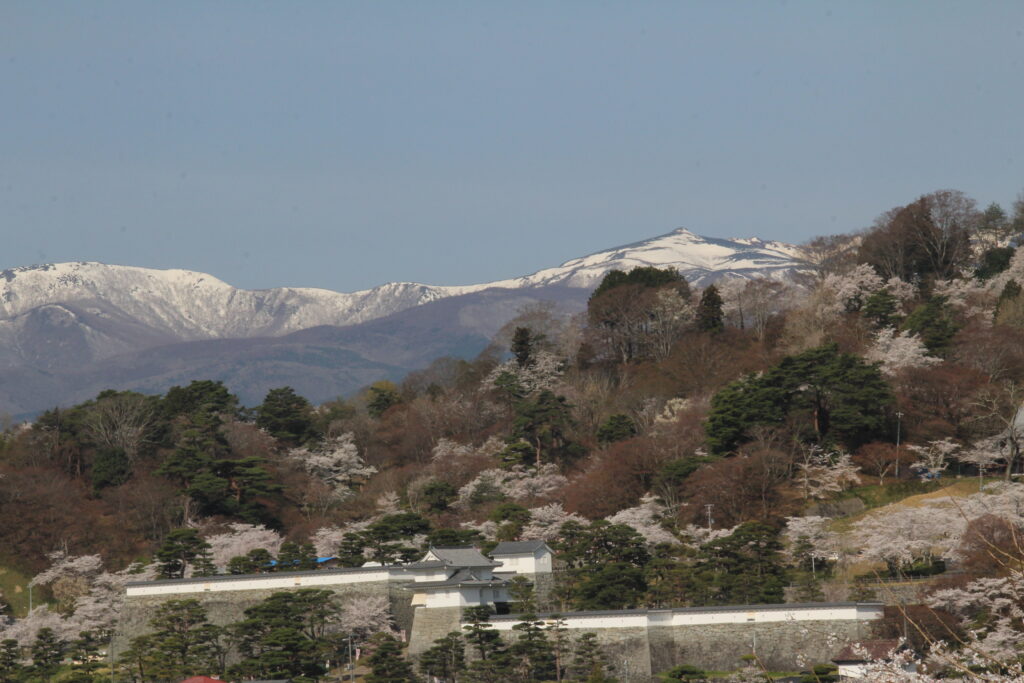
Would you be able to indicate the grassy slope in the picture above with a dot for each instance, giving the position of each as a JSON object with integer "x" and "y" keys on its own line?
{"x": 14, "y": 587}
{"x": 891, "y": 497}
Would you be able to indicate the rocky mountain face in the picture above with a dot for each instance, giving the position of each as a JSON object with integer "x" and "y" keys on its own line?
{"x": 69, "y": 330}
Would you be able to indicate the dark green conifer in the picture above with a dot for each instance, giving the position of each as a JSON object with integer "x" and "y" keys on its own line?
{"x": 709, "y": 311}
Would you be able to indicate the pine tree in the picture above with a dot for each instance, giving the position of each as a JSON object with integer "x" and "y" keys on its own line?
{"x": 286, "y": 416}
{"x": 387, "y": 664}
{"x": 446, "y": 658}
{"x": 182, "y": 548}
{"x": 616, "y": 428}
{"x": 85, "y": 658}
{"x": 933, "y": 322}
{"x": 880, "y": 308}
{"x": 588, "y": 662}
{"x": 479, "y": 632}
{"x": 382, "y": 396}
{"x": 294, "y": 557}
{"x": 10, "y": 661}
{"x": 534, "y": 657}
{"x": 47, "y": 653}
{"x": 709, "y": 311}
{"x": 524, "y": 343}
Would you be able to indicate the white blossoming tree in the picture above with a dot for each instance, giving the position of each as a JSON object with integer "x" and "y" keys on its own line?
{"x": 546, "y": 522}
{"x": 239, "y": 540}
{"x": 646, "y": 518}
{"x": 335, "y": 461}
{"x": 899, "y": 351}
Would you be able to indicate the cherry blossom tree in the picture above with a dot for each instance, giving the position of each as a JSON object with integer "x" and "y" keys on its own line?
{"x": 984, "y": 455}
{"x": 240, "y": 540}
{"x": 365, "y": 615}
{"x": 515, "y": 483}
{"x": 821, "y": 474}
{"x": 546, "y": 522}
{"x": 813, "y": 531}
{"x": 544, "y": 372}
{"x": 646, "y": 518}
{"x": 335, "y": 461}
{"x": 898, "y": 351}
{"x": 934, "y": 457}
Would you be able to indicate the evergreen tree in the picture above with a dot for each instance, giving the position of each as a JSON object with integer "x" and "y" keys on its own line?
{"x": 10, "y": 661}
{"x": 543, "y": 422}
{"x": 351, "y": 551}
{"x": 200, "y": 396}
{"x": 520, "y": 589}
{"x": 709, "y": 311}
{"x": 531, "y": 652}
{"x": 524, "y": 344}
{"x": 744, "y": 568}
{"x": 183, "y": 642}
{"x": 192, "y": 456}
{"x": 933, "y": 322}
{"x": 182, "y": 548}
{"x": 285, "y": 636}
{"x": 253, "y": 562}
{"x": 47, "y": 653}
{"x": 479, "y": 632}
{"x": 612, "y": 586}
{"x": 1010, "y": 305}
{"x": 387, "y": 664}
{"x": 382, "y": 396}
{"x": 881, "y": 308}
{"x": 446, "y": 659}
{"x": 842, "y": 397}
{"x": 110, "y": 467}
{"x": 588, "y": 662}
{"x": 294, "y": 557}
{"x": 437, "y": 495}
{"x": 85, "y": 658}
{"x": 993, "y": 262}
{"x": 286, "y": 416}
{"x": 647, "y": 277}
{"x": 616, "y": 428}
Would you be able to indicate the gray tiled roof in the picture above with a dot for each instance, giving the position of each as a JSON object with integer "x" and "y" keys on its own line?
{"x": 463, "y": 577}
{"x": 462, "y": 557}
{"x": 517, "y": 547}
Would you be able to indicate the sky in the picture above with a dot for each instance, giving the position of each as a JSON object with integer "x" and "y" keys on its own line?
{"x": 347, "y": 144}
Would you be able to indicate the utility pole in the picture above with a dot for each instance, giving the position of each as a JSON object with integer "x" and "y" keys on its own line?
{"x": 899, "y": 424}
{"x": 351, "y": 664}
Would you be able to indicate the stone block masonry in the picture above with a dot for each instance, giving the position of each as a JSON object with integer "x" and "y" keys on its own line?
{"x": 227, "y": 597}
{"x": 642, "y": 643}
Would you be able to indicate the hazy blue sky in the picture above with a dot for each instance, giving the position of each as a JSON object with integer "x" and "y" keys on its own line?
{"x": 346, "y": 144}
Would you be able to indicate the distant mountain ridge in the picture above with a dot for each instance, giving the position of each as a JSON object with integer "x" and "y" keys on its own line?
{"x": 68, "y": 330}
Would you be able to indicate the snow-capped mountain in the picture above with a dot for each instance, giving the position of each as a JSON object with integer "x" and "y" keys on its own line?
{"x": 187, "y": 305}
{"x": 701, "y": 260}
{"x": 68, "y": 328}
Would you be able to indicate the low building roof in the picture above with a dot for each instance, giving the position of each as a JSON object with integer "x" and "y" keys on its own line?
{"x": 463, "y": 577}
{"x": 461, "y": 556}
{"x": 518, "y": 547}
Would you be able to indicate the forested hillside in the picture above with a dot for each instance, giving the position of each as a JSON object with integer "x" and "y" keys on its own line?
{"x": 676, "y": 446}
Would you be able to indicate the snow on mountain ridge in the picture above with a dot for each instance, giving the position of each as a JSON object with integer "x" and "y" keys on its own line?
{"x": 188, "y": 305}
{"x": 191, "y": 305}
